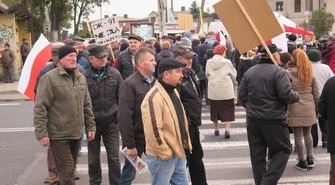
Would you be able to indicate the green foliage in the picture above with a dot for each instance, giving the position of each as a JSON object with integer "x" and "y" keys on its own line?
{"x": 322, "y": 21}
{"x": 195, "y": 9}
{"x": 10, "y": 3}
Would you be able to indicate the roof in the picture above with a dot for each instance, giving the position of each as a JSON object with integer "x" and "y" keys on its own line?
{"x": 175, "y": 13}
{"x": 121, "y": 18}
{"x": 21, "y": 11}
{"x": 17, "y": 9}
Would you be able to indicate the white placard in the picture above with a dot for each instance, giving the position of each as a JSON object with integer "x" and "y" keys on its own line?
{"x": 106, "y": 30}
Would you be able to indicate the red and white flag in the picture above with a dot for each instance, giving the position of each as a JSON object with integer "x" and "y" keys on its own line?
{"x": 36, "y": 60}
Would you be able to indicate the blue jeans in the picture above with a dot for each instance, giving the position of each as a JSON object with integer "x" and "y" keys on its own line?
{"x": 128, "y": 171}
{"x": 172, "y": 171}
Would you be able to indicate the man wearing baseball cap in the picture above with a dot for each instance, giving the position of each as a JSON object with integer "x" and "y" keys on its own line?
{"x": 103, "y": 78}
{"x": 162, "y": 108}
{"x": 62, "y": 108}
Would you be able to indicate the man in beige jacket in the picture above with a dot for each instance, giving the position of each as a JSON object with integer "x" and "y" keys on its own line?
{"x": 166, "y": 127}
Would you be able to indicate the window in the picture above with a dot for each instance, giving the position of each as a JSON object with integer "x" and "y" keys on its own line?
{"x": 279, "y": 6}
{"x": 297, "y": 5}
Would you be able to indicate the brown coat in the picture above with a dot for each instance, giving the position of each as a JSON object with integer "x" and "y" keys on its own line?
{"x": 8, "y": 58}
{"x": 303, "y": 113}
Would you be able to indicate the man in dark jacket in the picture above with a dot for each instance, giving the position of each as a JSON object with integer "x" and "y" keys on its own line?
{"x": 103, "y": 84}
{"x": 25, "y": 50}
{"x": 125, "y": 61}
{"x": 326, "y": 109}
{"x": 133, "y": 91}
{"x": 7, "y": 61}
{"x": 264, "y": 92}
{"x": 190, "y": 96}
{"x": 209, "y": 43}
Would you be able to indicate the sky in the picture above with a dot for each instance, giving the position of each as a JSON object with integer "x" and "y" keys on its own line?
{"x": 141, "y": 8}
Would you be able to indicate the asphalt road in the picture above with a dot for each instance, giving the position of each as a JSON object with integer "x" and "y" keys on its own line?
{"x": 23, "y": 161}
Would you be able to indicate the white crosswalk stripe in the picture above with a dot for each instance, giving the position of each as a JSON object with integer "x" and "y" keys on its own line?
{"x": 227, "y": 161}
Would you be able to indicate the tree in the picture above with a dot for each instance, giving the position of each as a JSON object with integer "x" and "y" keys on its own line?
{"x": 322, "y": 21}
{"x": 82, "y": 9}
{"x": 195, "y": 9}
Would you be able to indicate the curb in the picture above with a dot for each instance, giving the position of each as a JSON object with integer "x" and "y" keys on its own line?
{"x": 9, "y": 92}
{"x": 17, "y": 99}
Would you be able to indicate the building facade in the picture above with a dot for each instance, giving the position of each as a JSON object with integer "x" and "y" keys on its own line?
{"x": 299, "y": 11}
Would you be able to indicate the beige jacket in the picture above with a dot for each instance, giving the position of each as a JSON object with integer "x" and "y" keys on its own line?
{"x": 303, "y": 113}
{"x": 160, "y": 122}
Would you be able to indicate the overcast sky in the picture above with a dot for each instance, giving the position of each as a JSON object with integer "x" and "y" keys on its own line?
{"x": 141, "y": 8}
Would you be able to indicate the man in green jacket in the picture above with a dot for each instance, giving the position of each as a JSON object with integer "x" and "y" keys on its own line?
{"x": 62, "y": 108}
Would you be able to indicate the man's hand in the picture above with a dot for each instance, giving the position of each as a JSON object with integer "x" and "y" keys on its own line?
{"x": 90, "y": 135}
{"x": 44, "y": 141}
{"x": 132, "y": 153}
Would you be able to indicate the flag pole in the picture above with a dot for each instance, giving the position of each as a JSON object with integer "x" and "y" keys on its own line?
{"x": 256, "y": 31}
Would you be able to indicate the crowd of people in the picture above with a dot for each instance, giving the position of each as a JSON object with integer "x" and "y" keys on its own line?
{"x": 150, "y": 92}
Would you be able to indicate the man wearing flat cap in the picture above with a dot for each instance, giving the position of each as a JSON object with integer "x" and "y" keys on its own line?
{"x": 328, "y": 55}
{"x": 264, "y": 91}
{"x": 103, "y": 84}
{"x": 126, "y": 60}
{"x": 166, "y": 126}
{"x": 190, "y": 96}
{"x": 62, "y": 108}
{"x": 80, "y": 46}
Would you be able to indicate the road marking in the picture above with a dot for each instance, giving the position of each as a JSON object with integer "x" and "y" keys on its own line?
{"x": 9, "y": 104}
{"x": 19, "y": 129}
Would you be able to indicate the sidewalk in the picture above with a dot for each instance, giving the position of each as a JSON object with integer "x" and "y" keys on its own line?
{"x": 8, "y": 92}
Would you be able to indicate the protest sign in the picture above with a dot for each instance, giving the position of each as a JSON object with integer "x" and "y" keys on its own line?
{"x": 106, "y": 30}
{"x": 249, "y": 23}
{"x": 185, "y": 21}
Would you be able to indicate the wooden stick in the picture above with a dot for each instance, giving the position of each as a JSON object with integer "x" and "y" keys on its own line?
{"x": 256, "y": 31}
{"x": 89, "y": 28}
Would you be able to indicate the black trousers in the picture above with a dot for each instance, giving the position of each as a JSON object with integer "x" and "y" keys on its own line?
{"x": 194, "y": 159}
{"x": 324, "y": 132}
{"x": 110, "y": 136}
{"x": 275, "y": 138}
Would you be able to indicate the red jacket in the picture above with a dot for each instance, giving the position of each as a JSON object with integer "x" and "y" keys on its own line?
{"x": 328, "y": 57}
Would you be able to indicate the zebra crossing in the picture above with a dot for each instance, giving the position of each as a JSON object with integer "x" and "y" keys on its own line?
{"x": 227, "y": 161}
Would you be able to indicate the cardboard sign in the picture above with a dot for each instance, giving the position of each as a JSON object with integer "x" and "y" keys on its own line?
{"x": 106, "y": 30}
{"x": 240, "y": 29}
{"x": 185, "y": 21}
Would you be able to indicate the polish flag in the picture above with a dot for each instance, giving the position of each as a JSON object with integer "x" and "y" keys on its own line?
{"x": 36, "y": 60}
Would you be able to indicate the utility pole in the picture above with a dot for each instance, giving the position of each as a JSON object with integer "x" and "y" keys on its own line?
{"x": 161, "y": 16}
{"x": 199, "y": 19}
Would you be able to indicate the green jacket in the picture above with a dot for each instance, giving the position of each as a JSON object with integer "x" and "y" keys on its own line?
{"x": 62, "y": 106}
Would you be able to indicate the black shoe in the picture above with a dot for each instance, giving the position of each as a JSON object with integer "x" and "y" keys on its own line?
{"x": 216, "y": 133}
{"x": 302, "y": 165}
{"x": 227, "y": 134}
{"x": 310, "y": 161}
{"x": 324, "y": 144}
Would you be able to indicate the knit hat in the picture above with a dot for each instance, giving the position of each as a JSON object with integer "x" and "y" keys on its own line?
{"x": 331, "y": 38}
{"x": 220, "y": 50}
{"x": 65, "y": 50}
{"x": 186, "y": 42}
{"x": 314, "y": 55}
